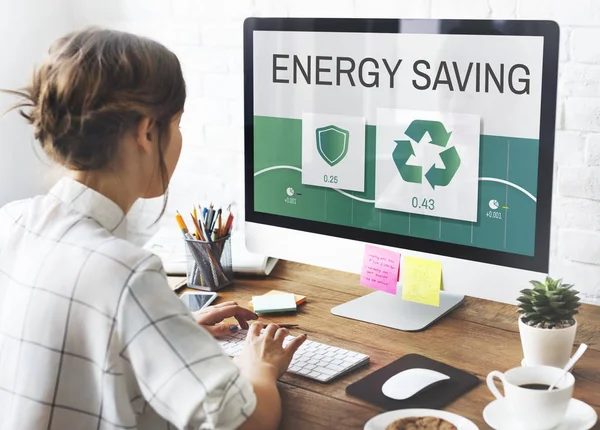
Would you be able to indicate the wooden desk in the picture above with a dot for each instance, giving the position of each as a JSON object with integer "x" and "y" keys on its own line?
{"x": 479, "y": 337}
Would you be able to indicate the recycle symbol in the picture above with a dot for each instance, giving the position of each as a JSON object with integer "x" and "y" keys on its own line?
{"x": 439, "y": 136}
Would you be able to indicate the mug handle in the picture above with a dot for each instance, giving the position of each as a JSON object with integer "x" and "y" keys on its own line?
{"x": 492, "y": 386}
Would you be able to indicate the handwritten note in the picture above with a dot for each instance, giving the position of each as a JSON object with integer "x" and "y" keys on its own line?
{"x": 380, "y": 269}
{"x": 422, "y": 280}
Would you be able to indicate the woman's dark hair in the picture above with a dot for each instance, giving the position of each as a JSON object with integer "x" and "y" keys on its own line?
{"x": 94, "y": 87}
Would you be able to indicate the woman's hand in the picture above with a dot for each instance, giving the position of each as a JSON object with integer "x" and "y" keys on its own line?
{"x": 210, "y": 318}
{"x": 264, "y": 354}
{"x": 262, "y": 361}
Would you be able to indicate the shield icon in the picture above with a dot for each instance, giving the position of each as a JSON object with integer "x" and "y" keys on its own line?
{"x": 332, "y": 143}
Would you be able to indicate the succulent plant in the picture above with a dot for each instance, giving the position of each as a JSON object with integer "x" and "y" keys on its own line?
{"x": 551, "y": 304}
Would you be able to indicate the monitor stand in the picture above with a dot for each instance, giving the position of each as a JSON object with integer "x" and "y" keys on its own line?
{"x": 391, "y": 311}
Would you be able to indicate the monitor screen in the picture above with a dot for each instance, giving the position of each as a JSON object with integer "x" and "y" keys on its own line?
{"x": 429, "y": 135}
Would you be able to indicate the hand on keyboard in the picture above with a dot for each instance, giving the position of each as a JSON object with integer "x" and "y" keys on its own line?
{"x": 266, "y": 349}
{"x": 312, "y": 359}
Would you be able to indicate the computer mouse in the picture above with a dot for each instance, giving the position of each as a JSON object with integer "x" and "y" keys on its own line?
{"x": 409, "y": 382}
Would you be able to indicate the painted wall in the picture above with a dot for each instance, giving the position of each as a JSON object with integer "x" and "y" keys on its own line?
{"x": 207, "y": 36}
{"x": 26, "y": 29}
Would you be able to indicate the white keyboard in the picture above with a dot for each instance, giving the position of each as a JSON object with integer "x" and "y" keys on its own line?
{"x": 313, "y": 360}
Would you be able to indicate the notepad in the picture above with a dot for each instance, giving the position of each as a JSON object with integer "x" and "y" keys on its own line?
{"x": 380, "y": 269}
{"x": 422, "y": 281}
{"x": 272, "y": 303}
{"x": 299, "y": 298}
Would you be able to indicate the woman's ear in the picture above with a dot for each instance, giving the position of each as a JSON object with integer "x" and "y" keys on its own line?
{"x": 145, "y": 134}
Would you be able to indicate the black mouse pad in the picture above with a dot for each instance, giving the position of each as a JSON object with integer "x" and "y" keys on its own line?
{"x": 435, "y": 396}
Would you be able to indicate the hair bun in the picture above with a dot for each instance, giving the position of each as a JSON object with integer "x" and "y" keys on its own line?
{"x": 95, "y": 86}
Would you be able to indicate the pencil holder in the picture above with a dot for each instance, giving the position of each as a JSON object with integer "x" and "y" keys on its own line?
{"x": 208, "y": 264}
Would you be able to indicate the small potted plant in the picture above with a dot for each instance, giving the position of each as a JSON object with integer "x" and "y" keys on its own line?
{"x": 547, "y": 324}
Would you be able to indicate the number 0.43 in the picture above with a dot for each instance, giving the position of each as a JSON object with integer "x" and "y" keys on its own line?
{"x": 425, "y": 204}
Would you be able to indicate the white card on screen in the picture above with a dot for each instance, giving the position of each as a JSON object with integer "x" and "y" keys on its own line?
{"x": 409, "y": 382}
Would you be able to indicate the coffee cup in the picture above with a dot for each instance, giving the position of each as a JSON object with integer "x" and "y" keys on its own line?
{"x": 529, "y": 404}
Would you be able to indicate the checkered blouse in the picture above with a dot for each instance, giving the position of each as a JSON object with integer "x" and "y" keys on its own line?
{"x": 91, "y": 336}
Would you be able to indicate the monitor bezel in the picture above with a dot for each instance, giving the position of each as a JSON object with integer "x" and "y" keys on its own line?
{"x": 549, "y": 30}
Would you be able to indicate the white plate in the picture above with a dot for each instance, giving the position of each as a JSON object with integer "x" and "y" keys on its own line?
{"x": 579, "y": 416}
{"x": 381, "y": 421}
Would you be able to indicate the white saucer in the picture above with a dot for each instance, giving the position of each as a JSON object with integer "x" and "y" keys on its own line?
{"x": 381, "y": 421}
{"x": 579, "y": 416}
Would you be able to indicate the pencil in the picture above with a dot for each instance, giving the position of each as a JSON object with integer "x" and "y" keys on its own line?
{"x": 182, "y": 226}
{"x": 229, "y": 225}
{"x": 199, "y": 234}
{"x": 227, "y": 221}
{"x": 219, "y": 224}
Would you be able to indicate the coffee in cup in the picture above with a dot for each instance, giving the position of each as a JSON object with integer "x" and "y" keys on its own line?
{"x": 537, "y": 387}
{"x": 528, "y": 402}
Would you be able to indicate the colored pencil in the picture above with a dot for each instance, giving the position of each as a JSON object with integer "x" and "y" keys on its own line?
{"x": 182, "y": 226}
{"x": 199, "y": 234}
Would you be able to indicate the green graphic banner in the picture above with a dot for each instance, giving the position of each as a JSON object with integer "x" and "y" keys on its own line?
{"x": 506, "y": 195}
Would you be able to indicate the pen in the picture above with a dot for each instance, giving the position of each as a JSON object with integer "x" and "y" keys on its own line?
{"x": 287, "y": 325}
{"x": 205, "y": 230}
{"x": 283, "y": 325}
{"x": 209, "y": 218}
{"x": 219, "y": 222}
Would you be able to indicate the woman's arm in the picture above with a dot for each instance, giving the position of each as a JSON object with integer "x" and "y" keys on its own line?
{"x": 181, "y": 370}
{"x": 184, "y": 373}
{"x": 267, "y": 414}
{"x": 262, "y": 361}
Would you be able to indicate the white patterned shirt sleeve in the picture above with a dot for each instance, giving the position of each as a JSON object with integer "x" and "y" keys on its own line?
{"x": 181, "y": 371}
{"x": 91, "y": 335}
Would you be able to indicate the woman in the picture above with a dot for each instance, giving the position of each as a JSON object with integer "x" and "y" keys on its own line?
{"x": 91, "y": 336}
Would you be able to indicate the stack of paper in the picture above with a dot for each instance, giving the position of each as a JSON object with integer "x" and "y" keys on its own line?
{"x": 168, "y": 244}
{"x": 273, "y": 303}
{"x": 298, "y": 298}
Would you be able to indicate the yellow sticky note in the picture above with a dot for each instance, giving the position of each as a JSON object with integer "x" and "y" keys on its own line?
{"x": 421, "y": 281}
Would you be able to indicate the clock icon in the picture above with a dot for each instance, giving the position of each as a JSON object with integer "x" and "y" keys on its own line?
{"x": 290, "y": 191}
{"x": 494, "y": 204}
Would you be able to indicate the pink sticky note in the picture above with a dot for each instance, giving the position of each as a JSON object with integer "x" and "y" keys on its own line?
{"x": 381, "y": 269}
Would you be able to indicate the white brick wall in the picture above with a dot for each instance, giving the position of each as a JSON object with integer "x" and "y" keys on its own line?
{"x": 565, "y": 12}
{"x": 582, "y": 113}
{"x": 207, "y": 35}
{"x": 584, "y": 46}
{"x": 580, "y": 246}
{"x": 460, "y": 9}
{"x": 503, "y": 8}
{"x": 593, "y": 150}
{"x": 569, "y": 148}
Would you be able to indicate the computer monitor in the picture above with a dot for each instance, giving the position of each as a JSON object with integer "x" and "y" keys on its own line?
{"x": 431, "y": 137}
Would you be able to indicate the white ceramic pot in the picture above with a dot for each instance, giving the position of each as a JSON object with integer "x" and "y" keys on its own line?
{"x": 547, "y": 347}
